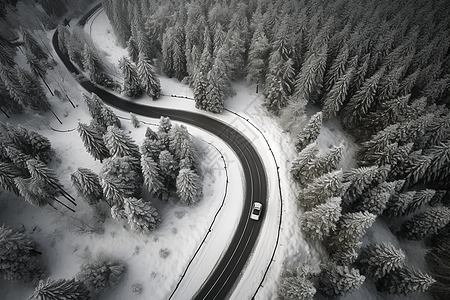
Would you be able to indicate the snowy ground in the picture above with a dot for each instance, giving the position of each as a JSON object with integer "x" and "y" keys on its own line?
{"x": 182, "y": 228}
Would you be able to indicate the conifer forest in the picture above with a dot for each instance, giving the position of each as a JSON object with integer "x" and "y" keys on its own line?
{"x": 377, "y": 69}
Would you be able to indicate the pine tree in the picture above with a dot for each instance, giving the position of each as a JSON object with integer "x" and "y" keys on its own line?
{"x": 295, "y": 286}
{"x": 394, "y": 155}
{"x": 293, "y": 116}
{"x": 95, "y": 66}
{"x": 416, "y": 167}
{"x": 114, "y": 192}
{"x": 437, "y": 131}
{"x": 37, "y": 67}
{"x": 389, "y": 85}
{"x": 361, "y": 179}
{"x": 322, "y": 219}
{"x": 309, "y": 81}
{"x": 121, "y": 178}
{"x": 321, "y": 189}
{"x": 94, "y": 105}
{"x": 61, "y": 289}
{"x": 408, "y": 83}
{"x": 87, "y": 185}
{"x": 218, "y": 14}
{"x": 235, "y": 48}
{"x": 347, "y": 257}
{"x": 237, "y": 40}
{"x": 120, "y": 144}
{"x": 100, "y": 273}
{"x": 164, "y": 125}
{"x": 215, "y": 94}
{"x": 414, "y": 129}
{"x": 180, "y": 141}
{"x": 117, "y": 13}
{"x": 219, "y": 84}
{"x": 341, "y": 39}
{"x": 269, "y": 19}
{"x": 189, "y": 160}
{"x": 33, "y": 46}
{"x": 189, "y": 186}
{"x": 93, "y": 142}
{"x": 144, "y": 44}
{"x": 132, "y": 48}
{"x": 150, "y": 134}
{"x": 134, "y": 120}
{"x": 131, "y": 86}
{"x": 218, "y": 38}
{"x": 147, "y": 76}
{"x": 7, "y": 103}
{"x": 174, "y": 58}
{"x": 152, "y": 147}
{"x": 440, "y": 161}
{"x": 350, "y": 229}
{"x": 108, "y": 118}
{"x": 389, "y": 113}
{"x": 305, "y": 157}
{"x": 397, "y": 206}
{"x": 360, "y": 103}
{"x": 75, "y": 48}
{"x": 310, "y": 132}
{"x": 375, "y": 199}
{"x": 425, "y": 223}
{"x": 377, "y": 260}
{"x": 257, "y": 56}
{"x": 377, "y": 145}
{"x": 63, "y": 38}
{"x": 334, "y": 99}
{"x": 437, "y": 257}
{"x": 40, "y": 146}
{"x": 168, "y": 167}
{"x": 418, "y": 200}
{"x": 44, "y": 178}
{"x": 141, "y": 216}
{"x": 117, "y": 210}
{"x": 405, "y": 280}
{"x": 337, "y": 68}
{"x": 323, "y": 163}
{"x": 11, "y": 83}
{"x": 37, "y": 99}
{"x": 7, "y": 56}
{"x": 19, "y": 158}
{"x": 14, "y": 137}
{"x": 435, "y": 90}
{"x": 18, "y": 262}
{"x": 7, "y": 174}
{"x": 335, "y": 281}
{"x": 200, "y": 80}
{"x": 195, "y": 28}
{"x": 326, "y": 162}
{"x": 29, "y": 142}
{"x": 279, "y": 82}
{"x": 153, "y": 179}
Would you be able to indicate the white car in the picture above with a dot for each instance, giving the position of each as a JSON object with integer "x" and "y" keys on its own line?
{"x": 256, "y": 211}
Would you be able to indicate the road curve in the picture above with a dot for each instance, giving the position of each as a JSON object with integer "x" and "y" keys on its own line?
{"x": 226, "y": 272}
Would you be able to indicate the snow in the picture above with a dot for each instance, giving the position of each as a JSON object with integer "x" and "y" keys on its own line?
{"x": 183, "y": 228}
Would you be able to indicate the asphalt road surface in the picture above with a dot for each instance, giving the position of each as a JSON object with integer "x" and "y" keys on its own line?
{"x": 226, "y": 271}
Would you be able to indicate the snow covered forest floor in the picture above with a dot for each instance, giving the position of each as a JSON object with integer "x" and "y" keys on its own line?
{"x": 182, "y": 227}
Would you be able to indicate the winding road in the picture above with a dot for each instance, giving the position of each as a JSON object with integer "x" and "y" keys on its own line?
{"x": 226, "y": 272}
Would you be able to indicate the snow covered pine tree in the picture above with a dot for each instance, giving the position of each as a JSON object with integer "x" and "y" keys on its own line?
{"x": 61, "y": 289}
{"x": 18, "y": 261}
